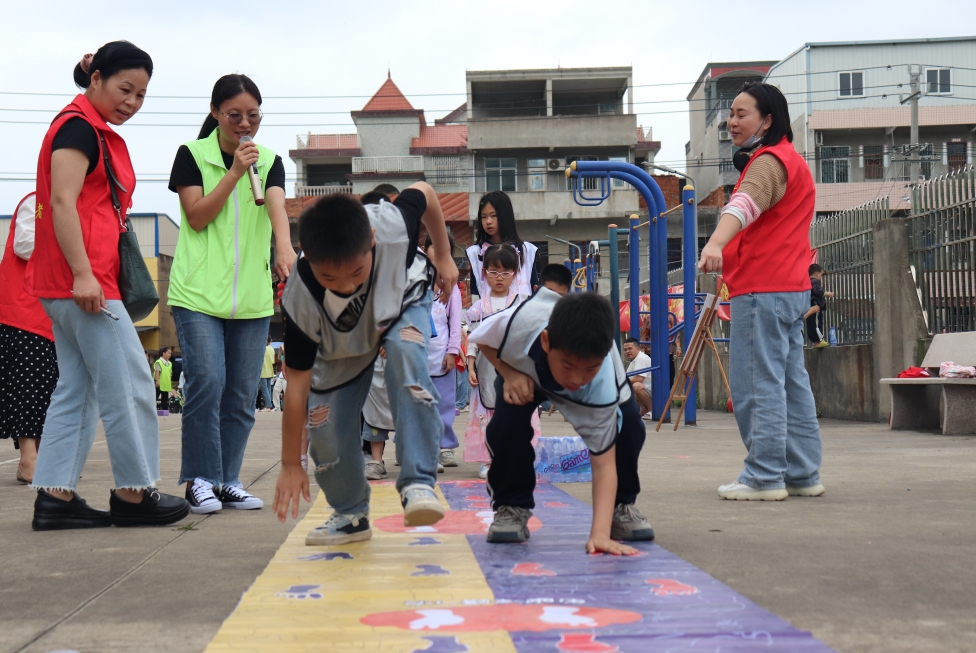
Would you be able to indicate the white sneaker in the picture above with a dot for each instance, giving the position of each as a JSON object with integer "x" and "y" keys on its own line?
{"x": 341, "y": 529}
{"x": 483, "y": 472}
{"x": 200, "y": 495}
{"x": 235, "y": 496}
{"x": 742, "y": 492}
{"x": 808, "y": 491}
{"x": 421, "y": 506}
{"x": 447, "y": 458}
{"x": 375, "y": 470}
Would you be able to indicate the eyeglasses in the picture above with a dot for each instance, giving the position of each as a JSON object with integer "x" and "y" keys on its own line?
{"x": 494, "y": 274}
{"x": 236, "y": 118}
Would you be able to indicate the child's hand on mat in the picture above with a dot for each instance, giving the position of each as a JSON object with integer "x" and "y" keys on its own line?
{"x": 603, "y": 544}
{"x": 292, "y": 484}
{"x": 519, "y": 389}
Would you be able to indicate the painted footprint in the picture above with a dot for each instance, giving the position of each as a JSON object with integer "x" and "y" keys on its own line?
{"x": 300, "y": 592}
{"x": 531, "y": 569}
{"x": 669, "y": 587}
{"x": 425, "y": 541}
{"x": 443, "y": 644}
{"x": 430, "y": 570}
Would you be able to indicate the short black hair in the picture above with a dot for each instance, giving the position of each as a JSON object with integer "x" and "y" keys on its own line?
{"x": 770, "y": 100}
{"x": 335, "y": 229}
{"x": 558, "y": 274}
{"x": 374, "y": 197}
{"x": 582, "y": 324}
{"x": 501, "y": 255}
{"x": 814, "y": 269}
{"x": 632, "y": 339}
{"x": 163, "y": 350}
{"x": 450, "y": 237}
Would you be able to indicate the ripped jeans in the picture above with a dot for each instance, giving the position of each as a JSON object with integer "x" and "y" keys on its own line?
{"x": 334, "y": 427}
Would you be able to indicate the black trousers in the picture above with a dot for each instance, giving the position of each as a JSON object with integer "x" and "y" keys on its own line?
{"x": 511, "y": 477}
{"x": 815, "y": 327}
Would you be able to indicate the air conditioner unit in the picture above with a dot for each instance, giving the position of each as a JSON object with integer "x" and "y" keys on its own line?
{"x": 556, "y": 164}
{"x": 724, "y": 135}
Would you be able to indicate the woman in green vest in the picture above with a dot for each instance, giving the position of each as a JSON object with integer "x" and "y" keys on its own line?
{"x": 220, "y": 288}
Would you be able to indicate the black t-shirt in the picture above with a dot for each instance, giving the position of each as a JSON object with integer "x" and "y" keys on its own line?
{"x": 301, "y": 349}
{"x": 77, "y": 134}
{"x": 186, "y": 172}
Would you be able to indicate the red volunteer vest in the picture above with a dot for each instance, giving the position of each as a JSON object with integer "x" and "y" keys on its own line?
{"x": 17, "y": 308}
{"x": 48, "y": 274}
{"x": 773, "y": 253}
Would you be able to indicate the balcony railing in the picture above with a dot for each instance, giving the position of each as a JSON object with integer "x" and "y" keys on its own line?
{"x": 718, "y": 104}
{"x": 386, "y": 164}
{"x": 302, "y": 190}
{"x": 328, "y": 142}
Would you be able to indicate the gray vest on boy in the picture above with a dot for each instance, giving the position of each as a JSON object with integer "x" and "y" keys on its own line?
{"x": 595, "y": 424}
{"x": 343, "y": 355}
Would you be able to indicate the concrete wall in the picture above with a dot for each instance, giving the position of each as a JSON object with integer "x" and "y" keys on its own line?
{"x": 844, "y": 382}
{"x": 567, "y": 131}
{"x": 385, "y": 136}
{"x": 543, "y": 205}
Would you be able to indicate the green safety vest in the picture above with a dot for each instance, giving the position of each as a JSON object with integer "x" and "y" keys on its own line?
{"x": 224, "y": 270}
{"x": 165, "y": 369}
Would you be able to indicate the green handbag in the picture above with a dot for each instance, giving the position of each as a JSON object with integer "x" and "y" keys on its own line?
{"x": 135, "y": 283}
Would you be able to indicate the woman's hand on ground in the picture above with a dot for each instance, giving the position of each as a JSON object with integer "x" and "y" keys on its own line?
{"x": 603, "y": 544}
{"x": 518, "y": 389}
{"x": 711, "y": 258}
{"x": 245, "y": 156}
{"x": 292, "y": 484}
{"x": 87, "y": 293}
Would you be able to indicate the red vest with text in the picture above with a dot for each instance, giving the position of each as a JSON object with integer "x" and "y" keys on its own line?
{"x": 17, "y": 308}
{"x": 48, "y": 274}
{"x": 773, "y": 253}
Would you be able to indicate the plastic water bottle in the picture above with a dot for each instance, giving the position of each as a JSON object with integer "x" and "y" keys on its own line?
{"x": 833, "y": 337}
{"x": 542, "y": 462}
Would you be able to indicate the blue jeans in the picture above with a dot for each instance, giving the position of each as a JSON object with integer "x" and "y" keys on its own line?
{"x": 264, "y": 387}
{"x": 463, "y": 389}
{"x": 103, "y": 373}
{"x": 334, "y": 432}
{"x": 771, "y": 394}
{"x": 222, "y": 360}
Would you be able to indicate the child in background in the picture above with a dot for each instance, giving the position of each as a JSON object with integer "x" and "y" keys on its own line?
{"x": 501, "y": 264}
{"x": 362, "y": 282}
{"x": 563, "y": 349}
{"x": 377, "y": 420}
{"x": 556, "y": 278}
{"x": 818, "y": 304}
{"x": 442, "y": 354}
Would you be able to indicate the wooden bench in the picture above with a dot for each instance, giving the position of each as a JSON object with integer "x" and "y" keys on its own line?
{"x": 934, "y": 402}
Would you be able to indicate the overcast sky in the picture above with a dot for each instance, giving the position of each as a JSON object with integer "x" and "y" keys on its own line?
{"x": 344, "y": 49}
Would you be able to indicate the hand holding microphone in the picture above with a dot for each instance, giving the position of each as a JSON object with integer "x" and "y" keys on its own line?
{"x": 252, "y": 173}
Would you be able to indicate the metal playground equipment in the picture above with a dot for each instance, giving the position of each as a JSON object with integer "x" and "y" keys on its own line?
{"x": 657, "y": 244}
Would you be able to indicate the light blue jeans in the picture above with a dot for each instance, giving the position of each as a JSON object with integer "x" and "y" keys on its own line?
{"x": 103, "y": 372}
{"x": 771, "y": 394}
{"x": 264, "y": 388}
{"x": 222, "y": 361}
{"x": 334, "y": 432}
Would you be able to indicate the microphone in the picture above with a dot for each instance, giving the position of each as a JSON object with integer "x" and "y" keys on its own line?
{"x": 252, "y": 173}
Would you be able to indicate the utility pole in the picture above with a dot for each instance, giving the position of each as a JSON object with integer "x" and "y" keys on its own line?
{"x": 914, "y": 73}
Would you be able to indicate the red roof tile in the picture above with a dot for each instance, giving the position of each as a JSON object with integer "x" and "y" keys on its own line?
{"x": 388, "y": 98}
{"x": 446, "y": 139}
{"x": 454, "y": 205}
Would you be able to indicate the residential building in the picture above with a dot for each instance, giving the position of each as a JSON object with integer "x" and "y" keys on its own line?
{"x": 849, "y": 123}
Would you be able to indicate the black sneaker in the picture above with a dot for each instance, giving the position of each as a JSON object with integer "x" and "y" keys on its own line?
{"x": 200, "y": 495}
{"x": 510, "y": 526}
{"x": 52, "y": 514}
{"x": 236, "y": 497}
{"x": 155, "y": 509}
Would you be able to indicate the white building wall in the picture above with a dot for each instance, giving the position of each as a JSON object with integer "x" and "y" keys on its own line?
{"x": 386, "y": 136}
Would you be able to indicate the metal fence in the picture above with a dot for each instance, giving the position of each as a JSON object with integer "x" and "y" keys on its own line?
{"x": 942, "y": 250}
{"x": 845, "y": 248}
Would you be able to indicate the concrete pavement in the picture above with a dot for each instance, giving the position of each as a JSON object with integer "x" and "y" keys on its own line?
{"x": 883, "y": 562}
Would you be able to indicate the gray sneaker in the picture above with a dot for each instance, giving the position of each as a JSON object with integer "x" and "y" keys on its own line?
{"x": 511, "y": 525}
{"x": 421, "y": 507}
{"x": 375, "y": 470}
{"x": 629, "y": 524}
{"x": 448, "y": 459}
{"x": 341, "y": 529}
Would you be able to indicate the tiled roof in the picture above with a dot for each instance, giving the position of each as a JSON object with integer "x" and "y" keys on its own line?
{"x": 460, "y": 112}
{"x": 872, "y": 118}
{"x": 441, "y": 139}
{"x": 454, "y": 205}
{"x": 388, "y": 98}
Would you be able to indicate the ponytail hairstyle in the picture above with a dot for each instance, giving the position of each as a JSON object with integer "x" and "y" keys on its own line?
{"x": 111, "y": 59}
{"x": 227, "y": 87}
{"x": 506, "y": 220}
{"x": 770, "y": 101}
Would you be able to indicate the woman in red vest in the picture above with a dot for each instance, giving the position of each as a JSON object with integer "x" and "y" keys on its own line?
{"x": 28, "y": 364}
{"x": 762, "y": 246}
{"x": 84, "y": 189}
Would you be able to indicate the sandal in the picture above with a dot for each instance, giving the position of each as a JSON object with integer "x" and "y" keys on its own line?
{"x": 21, "y": 478}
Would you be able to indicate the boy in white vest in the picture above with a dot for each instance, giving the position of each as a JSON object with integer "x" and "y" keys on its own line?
{"x": 562, "y": 349}
{"x": 362, "y": 282}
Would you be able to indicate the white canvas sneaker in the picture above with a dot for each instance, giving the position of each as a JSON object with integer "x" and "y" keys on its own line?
{"x": 742, "y": 492}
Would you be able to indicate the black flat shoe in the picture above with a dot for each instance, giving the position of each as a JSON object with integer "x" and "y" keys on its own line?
{"x": 155, "y": 509}
{"x": 52, "y": 514}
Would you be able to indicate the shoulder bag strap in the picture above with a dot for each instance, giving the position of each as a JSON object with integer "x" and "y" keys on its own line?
{"x": 112, "y": 183}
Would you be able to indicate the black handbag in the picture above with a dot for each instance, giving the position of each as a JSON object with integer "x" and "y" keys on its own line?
{"x": 135, "y": 283}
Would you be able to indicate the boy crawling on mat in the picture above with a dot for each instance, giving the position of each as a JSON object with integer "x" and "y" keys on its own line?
{"x": 361, "y": 283}
{"x": 563, "y": 349}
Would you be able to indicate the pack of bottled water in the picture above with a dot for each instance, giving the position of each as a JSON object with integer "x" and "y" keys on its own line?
{"x": 562, "y": 460}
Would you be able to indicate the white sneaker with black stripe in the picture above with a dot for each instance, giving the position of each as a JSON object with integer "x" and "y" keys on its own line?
{"x": 236, "y": 497}
{"x": 200, "y": 495}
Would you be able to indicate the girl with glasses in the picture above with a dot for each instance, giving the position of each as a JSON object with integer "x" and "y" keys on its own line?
{"x": 496, "y": 224}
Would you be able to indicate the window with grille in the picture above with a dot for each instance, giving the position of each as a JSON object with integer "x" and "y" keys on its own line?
{"x": 589, "y": 183}
{"x": 835, "y": 165}
{"x": 956, "y": 156}
{"x": 851, "y": 84}
{"x": 926, "y": 153}
{"x": 446, "y": 170}
{"x": 873, "y": 162}
{"x": 938, "y": 81}
{"x": 500, "y": 174}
